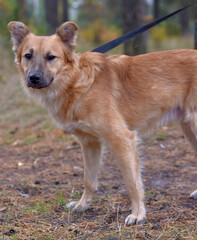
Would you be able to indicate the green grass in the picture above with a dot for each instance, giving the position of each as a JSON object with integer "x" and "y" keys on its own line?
{"x": 59, "y": 198}
{"x": 7, "y": 215}
{"x": 161, "y": 136}
{"x": 30, "y": 140}
{"x": 39, "y": 208}
{"x": 46, "y": 207}
{"x": 148, "y": 192}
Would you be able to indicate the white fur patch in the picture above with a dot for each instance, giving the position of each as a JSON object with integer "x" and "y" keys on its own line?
{"x": 194, "y": 195}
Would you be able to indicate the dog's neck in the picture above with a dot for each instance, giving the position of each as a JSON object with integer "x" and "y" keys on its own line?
{"x": 61, "y": 98}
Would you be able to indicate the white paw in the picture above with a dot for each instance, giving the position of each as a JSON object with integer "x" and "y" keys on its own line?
{"x": 71, "y": 205}
{"x": 77, "y": 206}
{"x": 132, "y": 219}
{"x": 194, "y": 195}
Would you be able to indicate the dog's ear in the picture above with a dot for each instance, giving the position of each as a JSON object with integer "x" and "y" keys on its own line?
{"x": 18, "y": 32}
{"x": 68, "y": 33}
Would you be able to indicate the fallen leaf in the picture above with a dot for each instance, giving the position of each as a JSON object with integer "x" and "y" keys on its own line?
{"x": 17, "y": 142}
{"x": 40, "y": 135}
{"x": 3, "y": 209}
{"x": 162, "y": 146}
{"x": 20, "y": 164}
{"x": 138, "y": 235}
{"x": 25, "y": 195}
{"x": 59, "y": 132}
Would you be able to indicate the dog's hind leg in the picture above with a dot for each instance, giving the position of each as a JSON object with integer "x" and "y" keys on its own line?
{"x": 124, "y": 149}
{"x": 91, "y": 149}
{"x": 189, "y": 134}
{"x": 189, "y": 129}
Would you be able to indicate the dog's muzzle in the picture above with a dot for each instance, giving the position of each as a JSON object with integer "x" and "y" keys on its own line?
{"x": 35, "y": 80}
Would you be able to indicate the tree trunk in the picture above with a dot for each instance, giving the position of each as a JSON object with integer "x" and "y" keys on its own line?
{"x": 21, "y": 13}
{"x": 51, "y": 7}
{"x": 195, "y": 34}
{"x": 185, "y": 22}
{"x": 133, "y": 14}
{"x": 65, "y": 16}
{"x": 156, "y": 9}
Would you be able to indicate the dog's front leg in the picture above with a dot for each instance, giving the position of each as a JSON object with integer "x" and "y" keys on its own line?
{"x": 124, "y": 148}
{"x": 91, "y": 149}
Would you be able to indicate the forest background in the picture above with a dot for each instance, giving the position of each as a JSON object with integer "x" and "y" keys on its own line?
{"x": 103, "y": 20}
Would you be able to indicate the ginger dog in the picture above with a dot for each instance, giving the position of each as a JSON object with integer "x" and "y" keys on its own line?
{"x": 109, "y": 100}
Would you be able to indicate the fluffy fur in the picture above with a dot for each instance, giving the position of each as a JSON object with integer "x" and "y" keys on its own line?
{"x": 108, "y": 100}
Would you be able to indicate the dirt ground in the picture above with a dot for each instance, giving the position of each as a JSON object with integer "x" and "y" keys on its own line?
{"x": 42, "y": 170}
{"x": 38, "y": 178}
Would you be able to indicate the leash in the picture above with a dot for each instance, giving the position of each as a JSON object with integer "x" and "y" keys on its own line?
{"x": 127, "y": 36}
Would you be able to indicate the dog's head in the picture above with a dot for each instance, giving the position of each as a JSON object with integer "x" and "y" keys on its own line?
{"x": 42, "y": 58}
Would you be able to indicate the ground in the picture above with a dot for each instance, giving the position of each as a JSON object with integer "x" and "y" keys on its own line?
{"x": 40, "y": 177}
{"x": 42, "y": 170}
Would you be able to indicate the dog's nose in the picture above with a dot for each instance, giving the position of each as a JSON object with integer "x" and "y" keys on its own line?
{"x": 35, "y": 78}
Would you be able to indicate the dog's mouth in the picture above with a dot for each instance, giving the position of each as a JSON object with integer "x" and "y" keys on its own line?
{"x": 40, "y": 84}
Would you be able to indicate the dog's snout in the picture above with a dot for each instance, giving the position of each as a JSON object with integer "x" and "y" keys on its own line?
{"x": 38, "y": 80}
{"x": 35, "y": 78}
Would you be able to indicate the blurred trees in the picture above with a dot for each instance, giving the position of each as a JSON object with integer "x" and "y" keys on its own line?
{"x": 21, "y": 9}
{"x": 65, "y": 15}
{"x": 180, "y": 23}
{"x": 51, "y": 9}
{"x": 56, "y": 12}
{"x": 100, "y": 20}
{"x": 195, "y": 26}
{"x": 156, "y": 9}
{"x": 8, "y": 12}
{"x": 184, "y": 17}
{"x": 42, "y": 16}
{"x": 134, "y": 16}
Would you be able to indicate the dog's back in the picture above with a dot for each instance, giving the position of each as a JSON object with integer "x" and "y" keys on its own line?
{"x": 147, "y": 90}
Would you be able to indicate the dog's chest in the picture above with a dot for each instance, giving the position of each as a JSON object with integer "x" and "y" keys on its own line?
{"x": 73, "y": 127}
{"x": 65, "y": 119}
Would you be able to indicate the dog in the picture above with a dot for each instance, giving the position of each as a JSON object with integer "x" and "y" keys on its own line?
{"x": 108, "y": 100}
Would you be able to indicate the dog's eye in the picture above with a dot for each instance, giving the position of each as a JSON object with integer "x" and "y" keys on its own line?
{"x": 51, "y": 58}
{"x": 28, "y": 56}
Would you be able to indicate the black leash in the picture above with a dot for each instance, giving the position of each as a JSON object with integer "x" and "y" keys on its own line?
{"x": 127, "y": 36}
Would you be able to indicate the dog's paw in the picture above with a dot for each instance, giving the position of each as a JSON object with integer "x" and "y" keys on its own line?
{"x": 132, "y": 219}
{"x": 71, "y": 205}
{"x": 77, "y": 206}
{"x": 194, "y": 195}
